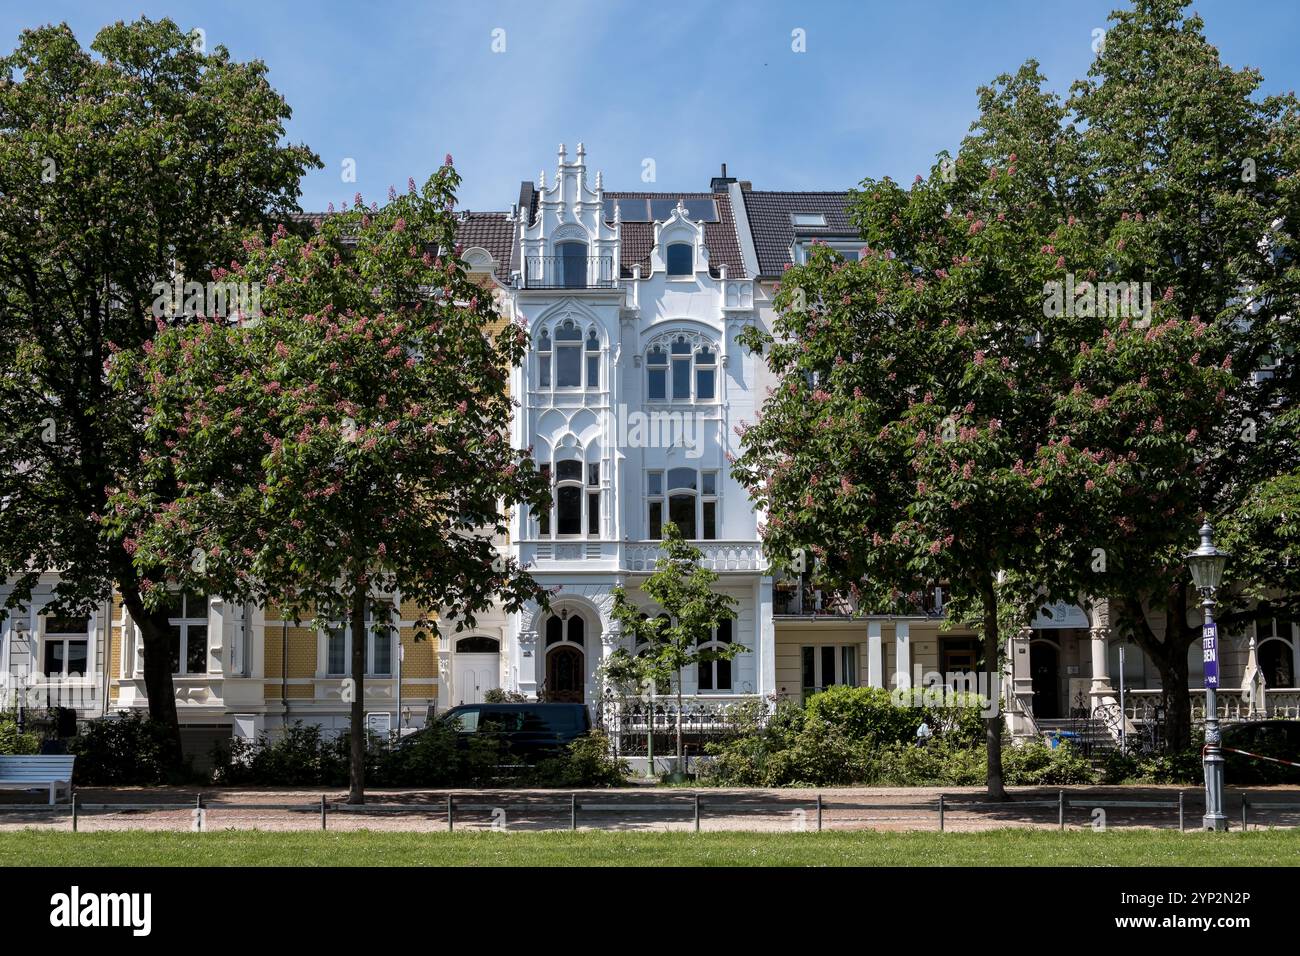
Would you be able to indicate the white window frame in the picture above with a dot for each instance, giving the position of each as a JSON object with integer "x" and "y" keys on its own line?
{"x": 65, "y": 638}
{"x": 590, "y": 360}
{"x": 666, "y": 494}
{"x": 372, "y": 641}
{"x": 840, "y": 664}
{"x": 185, "y": 621}
{"x": 715, "y": 642}
{"x": 697, "y": 344}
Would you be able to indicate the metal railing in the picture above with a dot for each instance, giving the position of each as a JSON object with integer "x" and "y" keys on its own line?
{"x": 569, "y": 272}
{"x": 810, "y": 811}
{"x": 629, "y": 723}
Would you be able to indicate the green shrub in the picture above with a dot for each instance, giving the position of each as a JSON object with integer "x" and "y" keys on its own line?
{"x": 889, "y": 717}
{"x": 125, "y": 750}
{"x": 586, "y": 763}
{"x": 865, "y": 713}
{"x": 1183, "y": 766}
{"x": 1037, "y": 764}
{"x": 939, "y": 763}
{"x": 12, "y": 742}
{"x": 802, "y": 751}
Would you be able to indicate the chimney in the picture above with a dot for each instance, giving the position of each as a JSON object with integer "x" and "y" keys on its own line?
{"x": 718, "y": 184}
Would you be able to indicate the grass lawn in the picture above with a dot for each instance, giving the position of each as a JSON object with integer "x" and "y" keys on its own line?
{"x": 992, "y": 848}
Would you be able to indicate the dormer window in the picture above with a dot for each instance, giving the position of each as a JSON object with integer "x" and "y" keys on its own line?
{"x": 806, "y": 219}
{"x": 681, "y": 260}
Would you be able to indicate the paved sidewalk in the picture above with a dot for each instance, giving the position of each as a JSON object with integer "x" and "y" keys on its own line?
{"x": 648, "y": 809}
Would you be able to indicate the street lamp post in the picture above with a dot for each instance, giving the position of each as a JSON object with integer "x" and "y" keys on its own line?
{"x": 1206, "y": 565}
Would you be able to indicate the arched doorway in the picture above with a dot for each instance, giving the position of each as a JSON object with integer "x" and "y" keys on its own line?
{"x": 1044, "y": 668}
{"x": 476, "y": 668}
{"x": 566, "y": 658}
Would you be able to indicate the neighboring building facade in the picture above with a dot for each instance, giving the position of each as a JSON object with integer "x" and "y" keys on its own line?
{"x": 630, "y": 398}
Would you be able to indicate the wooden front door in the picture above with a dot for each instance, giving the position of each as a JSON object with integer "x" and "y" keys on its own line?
{"x": 564, "y": 675}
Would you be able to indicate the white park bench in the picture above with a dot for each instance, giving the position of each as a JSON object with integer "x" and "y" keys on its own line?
{"x": 51, "y": 772}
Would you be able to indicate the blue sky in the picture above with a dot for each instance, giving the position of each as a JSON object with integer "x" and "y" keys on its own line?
{"x": 880, "y": 89}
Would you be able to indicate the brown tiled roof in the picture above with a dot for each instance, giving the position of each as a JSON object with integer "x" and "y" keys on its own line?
{"x": 719, "y": 237}
{"x": 491, "y": 231}
{"x": 774, "y": 232}
{"x": 487, "y": 230}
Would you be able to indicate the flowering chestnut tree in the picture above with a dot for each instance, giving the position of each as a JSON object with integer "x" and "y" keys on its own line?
{"x": 1194, "y": 188}
{"x": 936, "y": 417}
{"x": 351, "y": 440}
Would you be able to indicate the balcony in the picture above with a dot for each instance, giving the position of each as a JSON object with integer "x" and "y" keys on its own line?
{"x": 638, "y": 556}
{"x": 569, "y": 272}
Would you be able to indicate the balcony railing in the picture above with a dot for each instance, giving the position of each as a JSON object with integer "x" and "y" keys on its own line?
{"x": 569, "y": 272}
{"x": 1144, "y": 704}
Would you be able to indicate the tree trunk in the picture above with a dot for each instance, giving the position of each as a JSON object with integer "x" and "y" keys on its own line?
{"x": 992, "y": 725}
{"x": 357, "y": 764}
{"x": 155, "y": 644}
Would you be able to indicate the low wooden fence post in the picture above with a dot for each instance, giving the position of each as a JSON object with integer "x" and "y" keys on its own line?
{"x": 941, "y": 813}
{"x": 1060, "y": 809}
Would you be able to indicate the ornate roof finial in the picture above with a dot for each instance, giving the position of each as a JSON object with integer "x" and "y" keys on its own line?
{"x": 618, "y": 212}
{"x": 562, "y": 152}
{"x": 681, "y": 208}
{"x": 600, "y": 180}
{"x": 541, "y": 179}
{"x": 582, "y": 151}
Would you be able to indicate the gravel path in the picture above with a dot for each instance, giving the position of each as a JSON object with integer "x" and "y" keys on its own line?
{"x": 641, "y": 808}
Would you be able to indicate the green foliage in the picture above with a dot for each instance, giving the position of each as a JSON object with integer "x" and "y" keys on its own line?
{"x": 121, "y": 165}
{"x": 496, "y": 695}
{"x": 865, "y": 713}
{"x": 937, "y": 763}
{"x": 11, "y": 741}
{"x": 1177, "y": 766}
{"x": 585, "y": 763}
{"x": 886, "y": 717}
{"x": 1036, "y": 764}
{"x": 127, "y": 750}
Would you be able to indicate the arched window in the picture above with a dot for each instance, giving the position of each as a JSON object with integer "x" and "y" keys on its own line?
{"x": 576, "y": 499}
{"x": 568, "y": 497}
{"x": 568, "y": 355}
{"x": 544, "y": 359}
{"x": 571, "y": 260}
{"x": 593, "y": 360}
{"x": 1277, "y": 658}
{"x": 565, "y": 628}
{"x": 681, "y": 499}
{"x": 681, "y": 372}
{"x": 566, "y": 359}
{"x": 685, "y": 497}
{"x": 680, "y": 260}
{"x": 715, "y": 675}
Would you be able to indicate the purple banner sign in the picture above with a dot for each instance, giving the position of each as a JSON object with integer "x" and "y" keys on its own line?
{"x": 1210, "y": 647}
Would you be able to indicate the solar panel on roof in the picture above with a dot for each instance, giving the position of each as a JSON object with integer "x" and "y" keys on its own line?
{"x": 702, "y": 210}
{"x": 629, "y": 210}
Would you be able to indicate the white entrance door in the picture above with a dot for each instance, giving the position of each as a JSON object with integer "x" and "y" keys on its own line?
{"x": 473, "y": 676}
